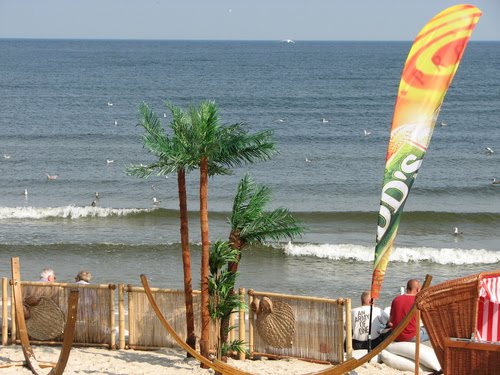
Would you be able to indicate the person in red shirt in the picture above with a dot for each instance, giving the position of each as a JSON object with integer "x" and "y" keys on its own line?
{"x": 400, "y": 307}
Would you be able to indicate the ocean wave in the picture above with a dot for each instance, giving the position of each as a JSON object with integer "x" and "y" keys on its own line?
{"x": 65, "y": 212}
{"x": 399, "y": 254}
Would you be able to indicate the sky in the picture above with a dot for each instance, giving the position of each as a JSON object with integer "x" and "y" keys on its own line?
{"x": 232, "y": 19}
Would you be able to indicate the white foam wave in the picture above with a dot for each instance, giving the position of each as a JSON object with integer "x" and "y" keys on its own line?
{"x": 399, "y": 254}
{"x": 65, "y": 212}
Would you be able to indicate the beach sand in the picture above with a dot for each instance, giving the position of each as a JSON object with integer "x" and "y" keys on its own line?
{"x": 164, "y": 361}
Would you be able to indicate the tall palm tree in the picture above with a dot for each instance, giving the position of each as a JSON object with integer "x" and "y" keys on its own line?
{"x": 219, "y": 148}
{"x": 173, "y": 157}
{"x": 251, "y": 224}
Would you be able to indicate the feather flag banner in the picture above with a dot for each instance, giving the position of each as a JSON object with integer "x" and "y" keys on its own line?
{"x": 429, "y": 69}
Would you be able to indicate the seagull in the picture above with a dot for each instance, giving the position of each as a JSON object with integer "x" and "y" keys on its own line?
{"x": 6, "y": 156}
{"x": 116, "y": 122}
{"x": 110, "y": 104}
{"x": 324, "y": 120}
{"x": 280, "y": 120}
{"x": 367, "y": 132}
{"x": 52, "y": 176}
{"x": 108, "y": 162}
{"x": 96, "y": 195}
{"x": 457, "y": 233}
{"x": 308, "y": 160}
{"x": 25, "y": 192}
{"x": 494, "y": 181}
{"x": 289, "y": 41}
{"x": 153, "y": 187}
{"x": 164, "y": 115}
{"x": 443, "y": 123}
{"x": 156, "y": 201}
{"x": 488, "y": 150}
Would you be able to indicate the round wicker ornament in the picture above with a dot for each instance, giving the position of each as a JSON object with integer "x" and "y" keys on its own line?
{"x": 46, "y": 320}
{"x": 275, "y": 323}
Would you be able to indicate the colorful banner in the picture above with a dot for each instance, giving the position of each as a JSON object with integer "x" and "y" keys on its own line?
{"x": 427, "y": 74}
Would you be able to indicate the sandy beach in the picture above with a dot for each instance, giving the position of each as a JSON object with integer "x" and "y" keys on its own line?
{"x": 164, "y": 361}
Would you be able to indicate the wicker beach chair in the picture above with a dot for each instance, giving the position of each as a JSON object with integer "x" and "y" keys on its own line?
{"x": 450, "y": 313}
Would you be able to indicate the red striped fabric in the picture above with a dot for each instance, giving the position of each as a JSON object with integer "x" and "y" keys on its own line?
{"x": 488, "y": 312}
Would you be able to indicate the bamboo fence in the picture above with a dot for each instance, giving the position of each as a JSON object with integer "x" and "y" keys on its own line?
{"x": 120, "y": 317}
{"x": 319, "y": 328}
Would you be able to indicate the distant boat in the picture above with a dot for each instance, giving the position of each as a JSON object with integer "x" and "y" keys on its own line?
{"x": 290, "y": 41}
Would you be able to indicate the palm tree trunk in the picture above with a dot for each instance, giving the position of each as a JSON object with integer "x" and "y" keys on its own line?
{"x": 205, "y": 254}
{"x": 186, "y": 259}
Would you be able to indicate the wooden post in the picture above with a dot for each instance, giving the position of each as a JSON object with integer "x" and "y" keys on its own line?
{"x": 5, "y": 318}
{"x": 242, "y": 322}
{"x": 13, "y": 324}
{"x": 131, "y": 317}
{"x": 121, "y": 316}
{"x": 348, "y": 328}
{"x": 112, "y": 342}
{"x": 251, "y": 322}
{"x": 417, "y": 343}
{"x": 232, "y": 319}
{"x": 340, "y": 330}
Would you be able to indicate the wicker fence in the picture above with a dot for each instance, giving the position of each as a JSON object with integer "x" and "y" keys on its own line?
{"x": 121, "y": 317}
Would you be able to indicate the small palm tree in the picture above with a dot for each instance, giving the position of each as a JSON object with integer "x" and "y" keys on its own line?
{"x": 251, "y": 224}
{"x": 222, "y": 301}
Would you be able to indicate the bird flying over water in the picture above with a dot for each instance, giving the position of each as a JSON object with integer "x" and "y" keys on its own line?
{"x": 367, "y": 132}
{"x": 108, "y": 162}
{"x": 488, "y": 150}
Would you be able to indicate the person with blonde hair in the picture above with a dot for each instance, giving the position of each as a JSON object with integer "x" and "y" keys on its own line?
{"x": 83, "y": 277}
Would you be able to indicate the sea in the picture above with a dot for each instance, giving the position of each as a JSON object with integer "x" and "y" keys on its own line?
{"x": 69, "y": 108}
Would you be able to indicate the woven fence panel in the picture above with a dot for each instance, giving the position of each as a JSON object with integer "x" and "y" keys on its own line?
{"x": 315, "y": 335}
{"x": 93, "y": 325}
{"x": 146, "y": 330}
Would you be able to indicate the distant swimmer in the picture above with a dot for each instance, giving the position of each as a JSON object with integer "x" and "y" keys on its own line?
{"x": 156, "y": 201}
{"x": 324, "y": 120}
{"x": 456, "y": 233}
{"x": 494, "y": 181}
{"x": 488, "y": 150}
{"x": 367, "y": 132}
{"x": 52, "y": 176}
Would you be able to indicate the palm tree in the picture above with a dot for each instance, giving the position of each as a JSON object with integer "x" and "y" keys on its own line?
{"x": 219, "y": 148}
{"x": 173, "y": 157}
{"x": 250, "y": 225}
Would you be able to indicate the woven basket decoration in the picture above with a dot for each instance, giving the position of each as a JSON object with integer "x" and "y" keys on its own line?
{"x": 275, "y": 323}
{"x": 46, "y": 320}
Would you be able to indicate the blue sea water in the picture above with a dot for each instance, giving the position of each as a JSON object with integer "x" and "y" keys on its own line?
{"x": 56, "y": 118}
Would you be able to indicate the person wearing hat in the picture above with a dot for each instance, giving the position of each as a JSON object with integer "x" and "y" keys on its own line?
{"x": 83, "y": 277}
